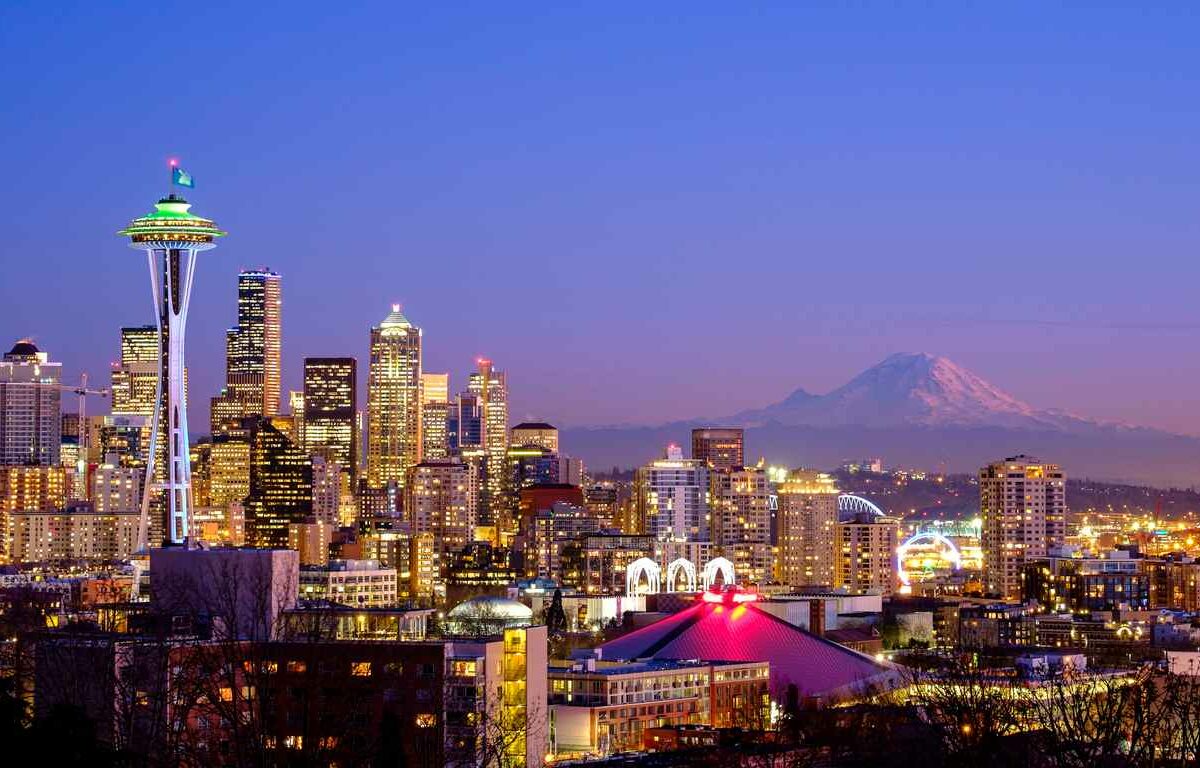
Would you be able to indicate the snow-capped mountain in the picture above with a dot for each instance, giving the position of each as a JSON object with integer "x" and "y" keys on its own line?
{"x": 916, "y": 389}
{"x": 917, "y": 410}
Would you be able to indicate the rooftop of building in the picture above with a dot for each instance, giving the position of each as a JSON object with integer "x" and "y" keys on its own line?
{"x": 23, "y": 348}
{"x": 491, "y": 607}
{"x": 728, "y": 629}
{"x": 614, "y": 668}
{"x": 534, "y": 425}
{"x": 345, "y": 565}
{"x": 395, "y": 319}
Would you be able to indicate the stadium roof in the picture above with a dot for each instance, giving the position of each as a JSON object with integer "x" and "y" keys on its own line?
{"x": 730, "y": 631}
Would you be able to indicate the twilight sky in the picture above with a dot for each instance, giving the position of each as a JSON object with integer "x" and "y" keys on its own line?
{"x": 641, "y": 211}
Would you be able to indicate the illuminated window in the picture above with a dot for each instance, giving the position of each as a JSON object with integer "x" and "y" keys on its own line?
{"x": 361, "y": 669}
{"x": 462, "y": 668}
{"x": 426, "y": 720}
{"x": 226, "y": 694}
{"x": 296, "y": 666}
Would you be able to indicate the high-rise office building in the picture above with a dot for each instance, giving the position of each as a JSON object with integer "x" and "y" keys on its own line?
{"x": 490, "y": 386}
{"x": 435, "y": 415}
{"x": 393, "y": 400}
{"x": 535, "y": 433}
{"x": 229, "y": 469}
{"x": 30, "y": 407}
{"x": 134, "y": 385}
{"x": 281, "y": 481}
{"x": 252, "y": 352}
{"x": 172, "y": 236}
{"x": 330, "y": 404}
{"x": 808, "y": 518}
{"x": 1023, "y": 503}
{"x": 672, "y": 497}
{"x": 865, "y": 559}
{"x": 719, "y": 447}
{"x": 465, "y": 426}
{"x": 134, "y": 378}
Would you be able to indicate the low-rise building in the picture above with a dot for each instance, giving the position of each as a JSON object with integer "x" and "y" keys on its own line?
{"x": 599, "y": 707}
{"x": 359, "y": 583}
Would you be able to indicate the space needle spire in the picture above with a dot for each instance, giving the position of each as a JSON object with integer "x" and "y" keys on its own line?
{"x": 171, "y": 236}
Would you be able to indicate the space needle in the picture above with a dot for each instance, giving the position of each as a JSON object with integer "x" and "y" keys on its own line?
{"x": 171, "y": 236}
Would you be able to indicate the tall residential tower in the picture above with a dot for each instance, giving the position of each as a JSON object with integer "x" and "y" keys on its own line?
{"x": 1023, "y": 503}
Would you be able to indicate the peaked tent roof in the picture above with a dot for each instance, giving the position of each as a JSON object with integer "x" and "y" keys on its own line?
{"x": 395, "y": 319}
{"x": 741, "y": 632}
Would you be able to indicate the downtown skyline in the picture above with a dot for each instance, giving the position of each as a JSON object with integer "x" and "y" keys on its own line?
{"x": 877, "y": 202}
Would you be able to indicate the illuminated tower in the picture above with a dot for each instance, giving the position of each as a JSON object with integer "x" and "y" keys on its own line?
{"x": 171, "y": 236}
{"x": 252, "y": 353}
{"x": 491, "y": 387}
{"x": 393, "y": 400}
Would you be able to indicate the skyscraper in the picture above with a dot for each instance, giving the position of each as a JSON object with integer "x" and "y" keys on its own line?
{"x": 135, "y": 377}
{"x": 393, "y": 400}
{"x": 672, "y": 497}
{"x": 807, "y": 529}
{"x": 490, "y": 386}
{"x": 30, "y": 407}
{"x": 435, "y": 415}
{"x": 1023, "y": 504}
{"x": 281, "y": 485}
{"x": 252, "y": 351}
{"x": 330, "y": 402}
{"x": 171, "y": 236}
{"x": 719, "y": 447}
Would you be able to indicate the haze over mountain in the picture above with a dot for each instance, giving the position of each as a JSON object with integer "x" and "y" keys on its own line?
{"x": 917, "y": 410}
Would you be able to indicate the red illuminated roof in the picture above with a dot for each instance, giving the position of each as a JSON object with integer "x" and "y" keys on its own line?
{"x": 723, "y": 630}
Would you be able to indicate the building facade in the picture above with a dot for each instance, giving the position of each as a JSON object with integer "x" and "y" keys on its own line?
{"x": 1023, "y": 504}
{"x": 393, "y": 400}
{"x": 672, "y": 496}
{"x": 330, "y": 408}
{"x": 807, "y": 529}
{"x": 720, "y": 447}
{"x": 30, "y": 407}
{"x": 865, "y": 560}
{"x": 280, "y": 485}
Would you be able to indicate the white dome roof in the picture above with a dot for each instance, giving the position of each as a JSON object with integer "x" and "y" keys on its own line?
{"x": 491, "y": 607}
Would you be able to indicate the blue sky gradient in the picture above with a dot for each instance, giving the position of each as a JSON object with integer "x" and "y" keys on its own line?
{"x": 642, "y": 213}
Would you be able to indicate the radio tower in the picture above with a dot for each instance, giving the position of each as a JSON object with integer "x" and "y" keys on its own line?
{"x": 171, "y": 238}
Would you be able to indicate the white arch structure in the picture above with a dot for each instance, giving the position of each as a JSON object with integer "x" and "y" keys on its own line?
{"x": 952, "y": 554}
{"x": 643, "y": 566}
{"x": 689, "y": 574}
{"x": 849, "y": 505}
{"x": 718, "y": 565}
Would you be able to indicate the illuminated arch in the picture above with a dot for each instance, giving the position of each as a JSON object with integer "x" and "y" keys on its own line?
{"x": 850, "y": 505}
{"x": 689, "y": 575}
{"x": 643, "y": 566}
{"x": 723, "y": 567}
{"x": 952, "y": 554}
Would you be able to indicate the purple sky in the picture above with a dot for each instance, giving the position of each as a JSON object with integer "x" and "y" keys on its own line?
{"x": 641, "y": 216}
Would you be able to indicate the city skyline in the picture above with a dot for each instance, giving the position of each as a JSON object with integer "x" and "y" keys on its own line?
{"x": 927, "y": 137}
